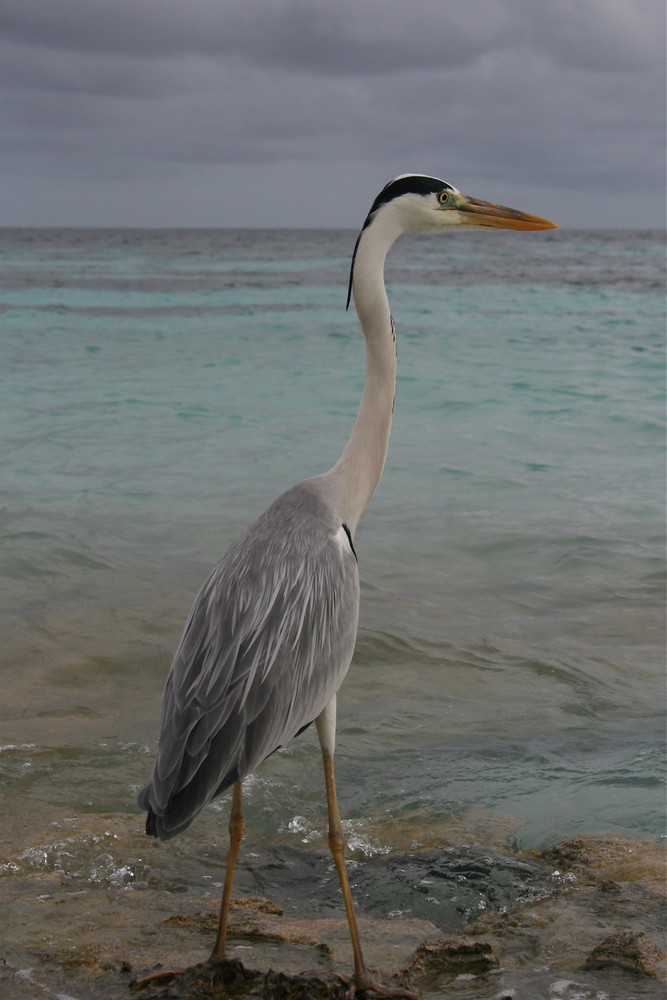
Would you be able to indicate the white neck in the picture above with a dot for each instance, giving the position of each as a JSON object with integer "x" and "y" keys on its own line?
{"x": 358, "y": 470}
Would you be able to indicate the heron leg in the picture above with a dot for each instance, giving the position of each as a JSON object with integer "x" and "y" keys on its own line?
{"x": 362, "y": 979}
{"x": 337, "y": 848}
{"x": 236, "y": 828}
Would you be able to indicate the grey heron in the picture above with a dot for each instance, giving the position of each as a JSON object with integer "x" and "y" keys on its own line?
{"x": 272, "y": 632}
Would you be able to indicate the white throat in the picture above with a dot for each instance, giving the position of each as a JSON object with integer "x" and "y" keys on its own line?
{"x": 359, "y": 468}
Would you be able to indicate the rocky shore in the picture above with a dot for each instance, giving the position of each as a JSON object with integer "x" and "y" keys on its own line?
{"x": 592, "y": 926}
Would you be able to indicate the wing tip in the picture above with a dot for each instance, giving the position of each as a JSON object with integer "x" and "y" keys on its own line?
{"x": 151, "y": 823}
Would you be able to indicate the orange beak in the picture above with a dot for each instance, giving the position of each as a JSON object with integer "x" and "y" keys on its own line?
{"x": 475, "y": 212}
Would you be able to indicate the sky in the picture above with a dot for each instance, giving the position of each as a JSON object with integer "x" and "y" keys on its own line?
{"x": 296, "y": 112}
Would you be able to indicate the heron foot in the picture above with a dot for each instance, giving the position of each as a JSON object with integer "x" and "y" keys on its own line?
{"x": 364, "y": 984}
{"x": 155, "y": 978}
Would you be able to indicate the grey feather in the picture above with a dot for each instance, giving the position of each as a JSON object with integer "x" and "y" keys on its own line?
{"x": 267, "y": 644}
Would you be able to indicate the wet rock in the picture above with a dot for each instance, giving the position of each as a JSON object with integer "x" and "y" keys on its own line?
{"x": 606, "y": 884}
{"x": 452, "y": 885}
{"x": 541, "y": 914}
{"x": 221, "y": 979}
{"x": 631, "y": 951}
{"x": 264, "y": 936}
{"x": 433, "y": 963}
{"x": 18, "y": 986}
{"x": 258, "y": 904}
{"x": 517, "y": 941}
{"x": 613, "y": 859}
{"x": 437, "y": 959}
{"x": 248, "y": 918}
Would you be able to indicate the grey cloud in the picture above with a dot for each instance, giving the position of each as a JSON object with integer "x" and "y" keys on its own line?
{"x": 158, "y": 94}
{"x": 369, "y": 36}
{"x": 596, "y": 36}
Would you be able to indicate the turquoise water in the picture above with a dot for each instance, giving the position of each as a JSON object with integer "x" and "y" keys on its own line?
{"x": 160, "y": 388}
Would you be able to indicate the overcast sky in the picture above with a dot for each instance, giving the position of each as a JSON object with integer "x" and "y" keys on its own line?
{"x": 296, "y": 112}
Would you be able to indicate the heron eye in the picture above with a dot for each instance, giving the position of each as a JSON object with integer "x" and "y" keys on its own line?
{"x": 443, "y": 197}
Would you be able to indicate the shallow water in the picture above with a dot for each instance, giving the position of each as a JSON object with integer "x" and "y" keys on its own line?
{"x": 160, "y": 388}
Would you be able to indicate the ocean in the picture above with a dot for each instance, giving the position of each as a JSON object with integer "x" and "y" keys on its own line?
{"x": 160, "y": 388}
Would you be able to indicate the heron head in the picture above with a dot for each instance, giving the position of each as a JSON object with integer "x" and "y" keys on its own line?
{"x": 417, "y": 203}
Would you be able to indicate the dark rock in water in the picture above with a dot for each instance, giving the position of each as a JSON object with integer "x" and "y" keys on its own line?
{"x": 452, "y": 886}
{"x": 221, "y": 979}
{"x": 631, "y": 951}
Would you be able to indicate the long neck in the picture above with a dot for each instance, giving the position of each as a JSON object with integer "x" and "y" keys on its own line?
{"x": 359, "y": 468}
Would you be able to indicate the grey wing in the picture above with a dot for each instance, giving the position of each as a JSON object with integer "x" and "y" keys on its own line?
{"x": 267, "y": 644}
